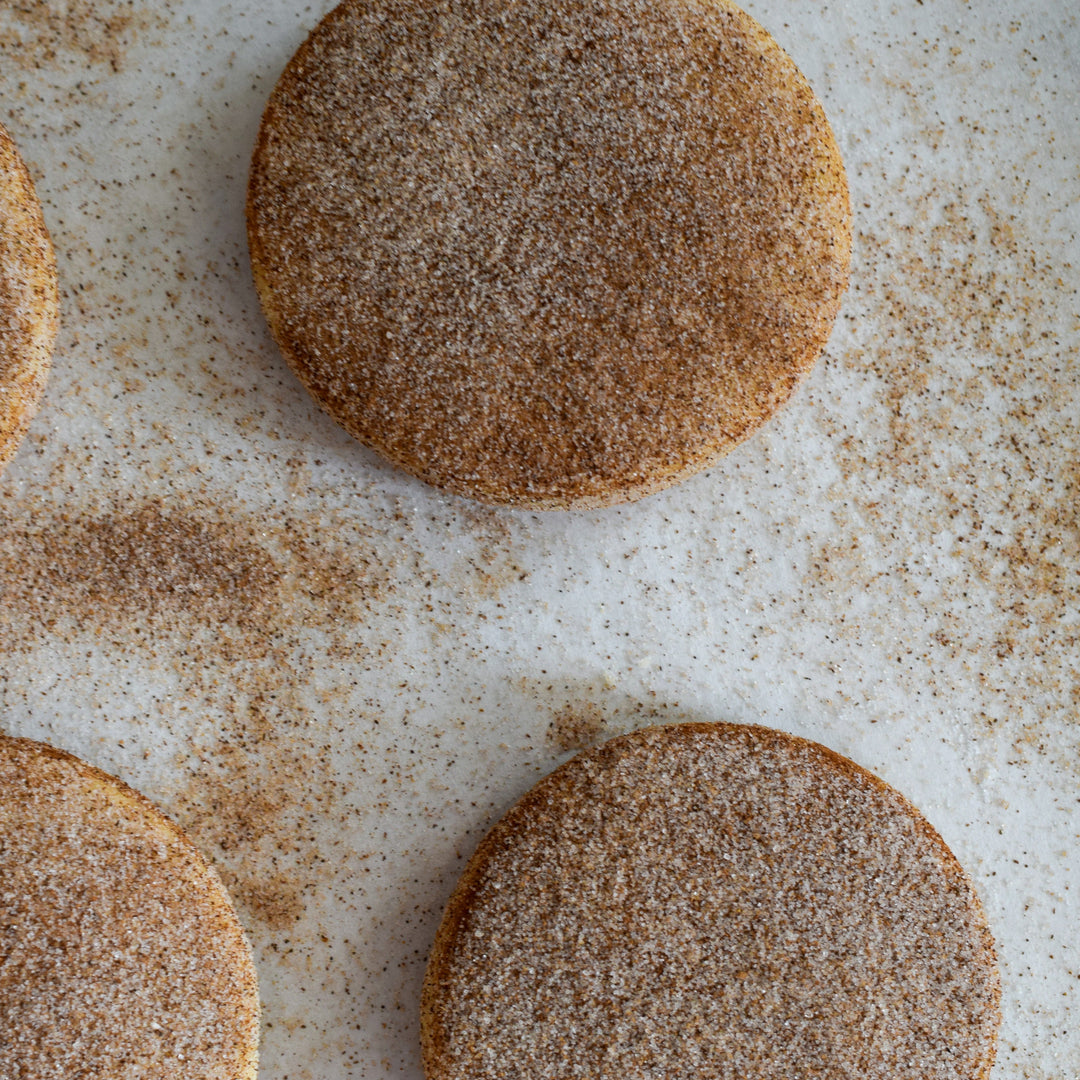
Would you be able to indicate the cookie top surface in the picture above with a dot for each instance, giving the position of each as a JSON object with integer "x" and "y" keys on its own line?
{"x": 712, "y": 901}
{"x": 547, "y": 255}
{"x": 28, "y": 299}
{"x": 121, "y": 954}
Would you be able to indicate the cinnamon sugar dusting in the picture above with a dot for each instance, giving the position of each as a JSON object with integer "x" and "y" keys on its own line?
{"x": 157, "y": 566}
{"x": 969, "y": 454}
{"x": 28, "y": 298}
{"x": 712, "y": 901}
{"x": 216, "y": 603}
{"x": 250, "y": 798}
{"x": 557, "y": 255}
{"x": 163, "y": 563}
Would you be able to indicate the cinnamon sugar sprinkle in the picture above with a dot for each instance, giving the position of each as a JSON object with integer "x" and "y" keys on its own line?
{"x": 28, "y": 298}
{"x": 201, "y": 596}
{"x": 35, "y": 33}
{"x": 577, "y": 726}
{"x": 160, "y": 566}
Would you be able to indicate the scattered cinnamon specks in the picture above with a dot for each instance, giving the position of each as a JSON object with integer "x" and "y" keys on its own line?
{"x": 217, "y": 603}
{"x": 154, "y": 568}
{"x": 961, "y": 490}
{"x": 36, "y": 33}
{"x": 251, "y": 798}
{"x": 576, "y": 727}
{"x": 161, "y": 563}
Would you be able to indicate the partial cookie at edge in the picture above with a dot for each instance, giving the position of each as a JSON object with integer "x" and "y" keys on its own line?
{"x": 712, "y": 901}
{"x": 109, "y": 910}
{"x": 29, "y": 302}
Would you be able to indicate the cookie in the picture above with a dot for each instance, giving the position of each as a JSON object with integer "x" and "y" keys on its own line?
{"x": 552, "y": 255}
{"x": 711, "y": 901}
{"x": 28, "y": 299}
{"x": 121, "y": 956}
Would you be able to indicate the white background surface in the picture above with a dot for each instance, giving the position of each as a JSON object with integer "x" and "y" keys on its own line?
{"x": 892, "y": 567}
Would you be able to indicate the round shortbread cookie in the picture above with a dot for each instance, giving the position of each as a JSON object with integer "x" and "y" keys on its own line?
{"x": 712, "y": 901}
{"x": 28, "y": 299}
{"x": 549, "y": 255}
{"x": 121, "y": 956}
